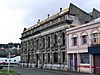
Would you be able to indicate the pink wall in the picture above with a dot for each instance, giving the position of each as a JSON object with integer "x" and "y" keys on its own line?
{"x": 87, "y": 29}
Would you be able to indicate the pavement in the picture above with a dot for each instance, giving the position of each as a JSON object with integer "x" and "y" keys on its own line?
{"x": 36, "y": 71}
{"x": 63, "y": 72}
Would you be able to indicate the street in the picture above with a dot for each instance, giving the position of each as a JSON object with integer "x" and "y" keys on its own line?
{"x": 31, "y": 71}
{"x": 34, "y": 71}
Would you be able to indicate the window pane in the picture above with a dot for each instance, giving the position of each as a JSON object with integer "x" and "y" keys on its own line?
{"x": 95, "y": 36}
{"x": 63, "y": 37}
{"x": 55, "y": 57}
{"x": 84, "y": 39}
{"x": 63, "y": 57}
{"x": 75, "y": 41}
{"x": 48, "y": 57}
{"x": 84, "y": 58}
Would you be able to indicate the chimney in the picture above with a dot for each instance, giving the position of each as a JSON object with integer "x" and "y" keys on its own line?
{"x": 38, "y": 20}
{"x": 48, "y": 15}
{"x": 60, "y": 9}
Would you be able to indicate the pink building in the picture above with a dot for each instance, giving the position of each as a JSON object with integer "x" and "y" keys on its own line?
{"x": 83, "y": 47}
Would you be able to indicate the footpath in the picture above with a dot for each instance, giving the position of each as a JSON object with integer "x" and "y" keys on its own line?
{"x": 63, "y": 72}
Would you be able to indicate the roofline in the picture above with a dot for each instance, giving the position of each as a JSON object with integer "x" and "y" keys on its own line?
{"x": 79, "y": 9}
{"x": 84, "y": 25}
{"x": 64, "y": 11}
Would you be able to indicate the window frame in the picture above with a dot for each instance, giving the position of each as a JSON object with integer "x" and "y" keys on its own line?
{"x": 84, "y": 40}
{"x": 84, "y": 58}
{"x": 74, "y": 41}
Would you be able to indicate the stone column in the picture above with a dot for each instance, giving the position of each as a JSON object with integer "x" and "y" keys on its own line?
{"x": 78, "y": 62}
{"x": 68, "y": 62}
{"x": 45, "y": 59}
{"x": 59, "y": 56}
{"x": 51, "y": 58}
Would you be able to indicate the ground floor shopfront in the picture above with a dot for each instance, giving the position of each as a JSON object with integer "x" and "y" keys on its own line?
{"x": 95, "y": 52}
{"x": 88, "y": 62}
{"x": 80, "y": 62}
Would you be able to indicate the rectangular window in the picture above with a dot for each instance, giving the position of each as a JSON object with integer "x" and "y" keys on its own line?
{"x": 74, "y": 41}
{"x": 63, "y": 57}
{"x": 84, "y": 57}
{"x": 48, "y": 57}
{"x": 43, "y": 58}
{"x": 37, "y": 44}
{"x": 55, "y": 57}
{"x": 48, "y": 42}
{"x": 84, "y": 39}
{"x": 95, "y": 38}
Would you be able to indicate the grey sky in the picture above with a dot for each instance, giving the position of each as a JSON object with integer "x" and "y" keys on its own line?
{"x": 17, "y": 14}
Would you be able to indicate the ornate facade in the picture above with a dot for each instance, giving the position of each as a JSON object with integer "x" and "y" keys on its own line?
{"x": 43, "y": 44}
{"x": 83, "y": 48}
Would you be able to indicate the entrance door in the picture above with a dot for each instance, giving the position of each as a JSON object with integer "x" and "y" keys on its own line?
{"x": 97, "y": 63}
{"x": 71, "y": 62}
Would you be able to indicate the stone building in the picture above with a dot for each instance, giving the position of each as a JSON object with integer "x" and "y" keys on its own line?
{"x": 43, "y": 44}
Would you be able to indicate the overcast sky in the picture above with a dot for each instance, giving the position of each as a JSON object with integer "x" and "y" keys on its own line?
{"x": 17, "y": 14}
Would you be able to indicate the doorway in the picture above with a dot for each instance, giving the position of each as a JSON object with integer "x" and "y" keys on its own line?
{"x": 71, "y": 62}
{"x": 37, "y": 60}
{"x": 97, "y": 63}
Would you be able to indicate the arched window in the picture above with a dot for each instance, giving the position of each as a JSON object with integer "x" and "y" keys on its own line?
{"x": 74, "y": 40}
{"x": 43, "y": 43}
{"x": 32, "y": 45}
{"x": 43, "y": 58}
{"x": 48, "y": 57}
{"x": 63, "y": 37}
{"x": 63, "y": 57}
{"x": 55, "y": 37}
{"x": 55, "y": 57}
{"x": 84, "y": 38}
{"x": 37, "y": 44}
{"x": 48, "y": 42}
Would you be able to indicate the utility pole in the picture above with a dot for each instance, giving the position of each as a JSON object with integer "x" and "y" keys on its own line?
{"x": 8, "y": 61}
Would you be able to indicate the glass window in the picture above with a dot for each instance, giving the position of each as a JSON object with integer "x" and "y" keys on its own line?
{"x": 48, "y": 42}
{"x": 63, "y": 57}
{"x": 48, "y": 57}
{"x": 63, "y": 35}
{"x": 43, "y": 58}
{"x": 84, "y": 58}
{"x": 37, "y": 44}
{"x": 95, "y": 38}
{"x": 74, "y": 41}
{"x": 84, "y": 39}
{"x": 55, "y": 37}
{"x": 32, "y": 45}
{"x": 55, "y": 57}
{"x": 43, "y": 43}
